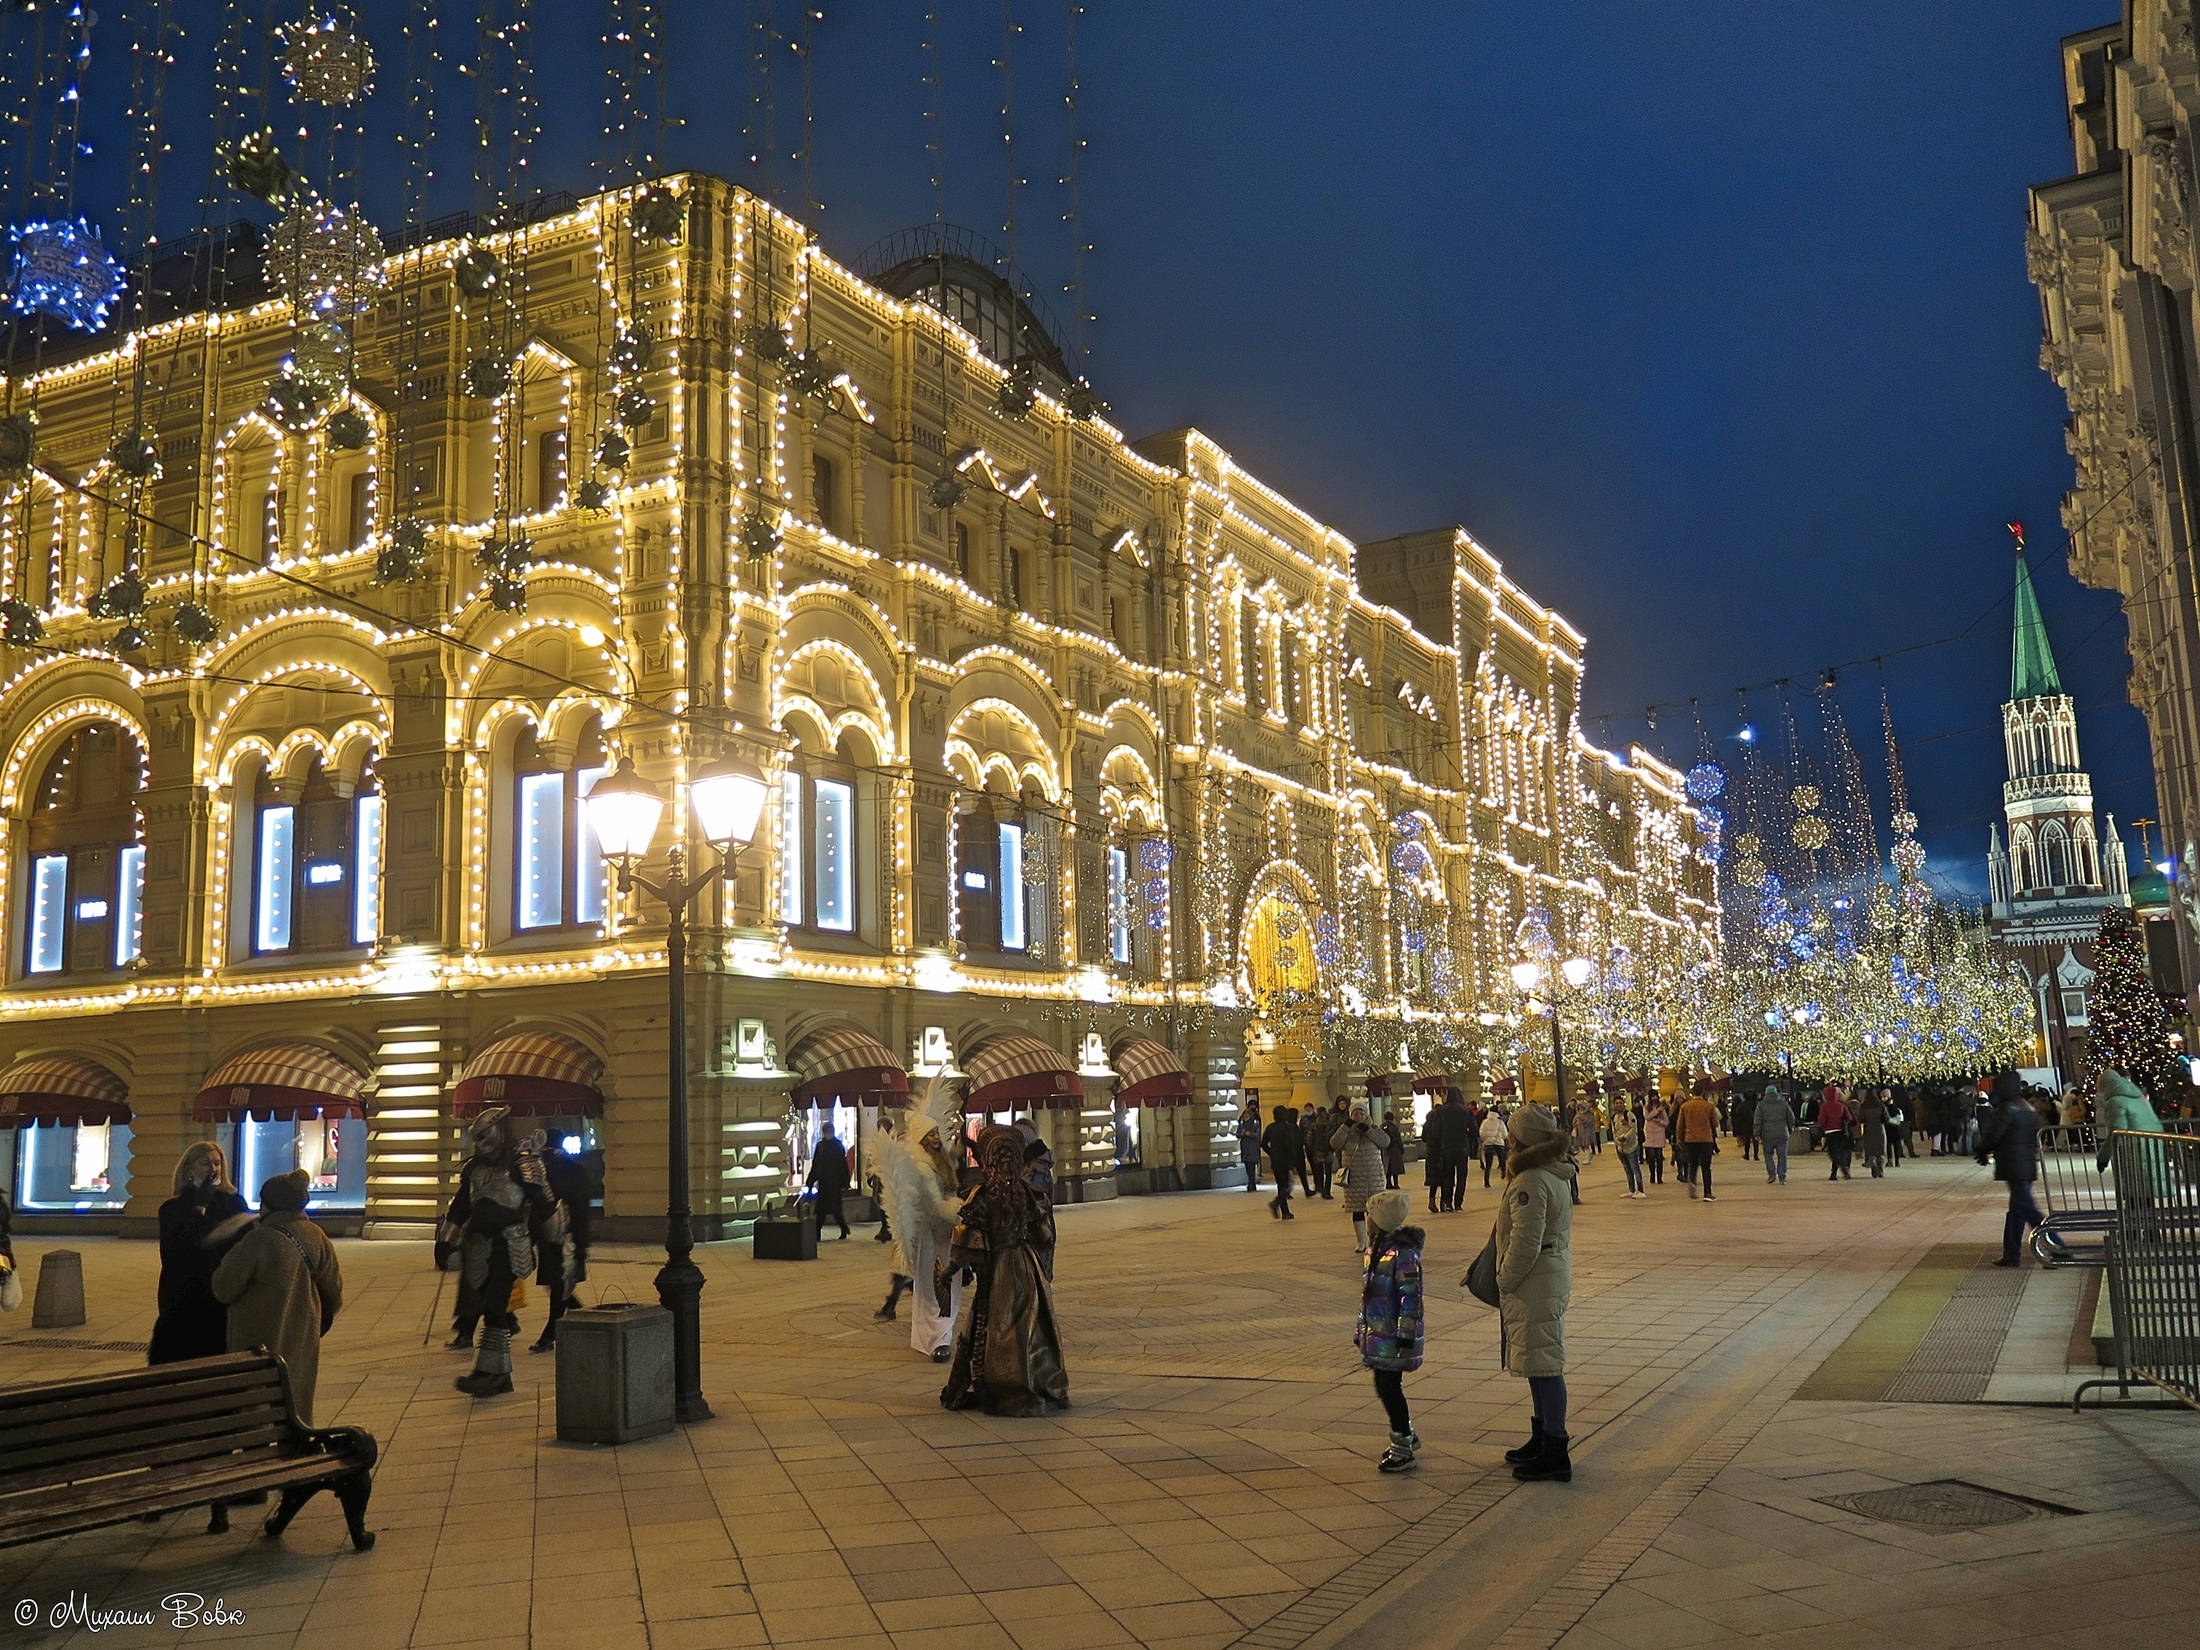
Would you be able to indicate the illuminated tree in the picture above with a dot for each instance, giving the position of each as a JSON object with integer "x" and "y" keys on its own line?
{"x": 2127, "y": 1027}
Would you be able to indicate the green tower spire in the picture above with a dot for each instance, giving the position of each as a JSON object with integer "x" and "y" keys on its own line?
{"x": 2031, "y": 662}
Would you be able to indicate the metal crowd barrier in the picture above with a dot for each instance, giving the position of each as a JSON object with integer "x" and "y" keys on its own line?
{"x": 2154, "y": 1266}
{"x": 2077, "y": 1199}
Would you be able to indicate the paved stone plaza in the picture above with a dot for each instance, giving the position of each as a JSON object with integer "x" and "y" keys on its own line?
{"x": 1214, "y": 1484}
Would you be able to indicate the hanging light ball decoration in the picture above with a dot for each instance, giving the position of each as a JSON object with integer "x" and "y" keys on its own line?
{"x": 405, "y": 557}
{"x": 348, "y": 429}
{"x": 326, "y": 259}
{"x": 62, "y": 270}
{"x": 292, "y": 402}
{"x": 633, "y": 408}
{"x": 1019, "y": 392}
{"x": 129, "y": 639}
{"x": 18, "y": 441}
{"x": 195, "y": 627}
{"x": 1905, "y": 823}
{"x": 759, "y": 534}
{"x": 946, "y": 492}
{"x": 254, "y": 166}
{"x": 1705, "y": 782}
{"x": 613, "y": 450}
{"x": 20, "y": 625}
{"x": 592, "y": 495}
{"x": 1082, "y": 402}
{"x": 1810, "y": 833}
{"x": 633, "y": 348}
{"x": 506, "y": 560}
{"x": 658, "y": 216}
{"x": 1805, "y": 798}
{"x": 135, "y": 453}
{"x": 321, "y": 355}
{"x": 487, "y": 376}
{"x": 477, "y": 271}
{"x": 326, "y": 62}
{"x": 123, "y": 598}
{"x": 767, "y": 341}
{"x": 809, "y": 374}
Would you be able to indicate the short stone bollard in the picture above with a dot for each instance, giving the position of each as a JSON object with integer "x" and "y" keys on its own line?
{"x": 60, "y": 1300}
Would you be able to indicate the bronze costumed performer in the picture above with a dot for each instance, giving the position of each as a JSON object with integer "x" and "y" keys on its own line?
{"x": 1008, "y": 1358}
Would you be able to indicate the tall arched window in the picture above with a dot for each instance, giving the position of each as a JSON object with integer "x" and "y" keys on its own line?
{"x": 316, "y": 863}
{"x": 557, "y": 863}
{"x": 819, "y": 840}
{"x": 84, "y": 901}
{"x": 2054, "y": 857}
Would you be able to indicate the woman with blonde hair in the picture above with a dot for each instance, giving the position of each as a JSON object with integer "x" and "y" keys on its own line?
{"x": 192, "y": 1323}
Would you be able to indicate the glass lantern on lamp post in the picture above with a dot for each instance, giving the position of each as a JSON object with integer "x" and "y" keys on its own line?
{"x": 1528, "y": 978}
{"x": 623, "y": 810}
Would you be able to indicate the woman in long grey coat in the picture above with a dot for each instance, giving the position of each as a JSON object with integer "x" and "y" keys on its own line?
{"x": 1535, "y": 1275}
{"x": 282, "y": 1286}
{"x": 1359, "y": 1147}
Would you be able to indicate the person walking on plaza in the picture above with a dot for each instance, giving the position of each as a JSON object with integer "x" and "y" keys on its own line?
{"x": 281, "y": 1285}
{"x": 1897, "y": 1122}
{"x": 1359, "y": 1147}
{"x": 1656, "y": 1126}
{"x": 1451, "y": 1146}
{"x": 1775, "y": 1123}
{"x": 1314, "y": 1136}
{"x": 192, "y": 1323}
{"x": 1248, "y": 1135}
{"x": 828, "y": 1177}
{"x": 1534, "y": 1237}
{"x": 2011, "y": 1137}
{"x": 502, "y": 1210}
{"x": 1699, "y": 1131}
{"x": 1833, "y": 1123}
{"x": 1304, "y": 1122}
{"x": 921, "y": 1187}
{"x": 561, "y": 1244}
{"x": 1286, "y": 1157}
{"x": 1389, "y": 1331}
{"x": 1871, "y": 1126}
{"x": 1394, "y": 1154}
{"x": 1492, "y": 1149}
{"x": 1742, "y": 1122}
{"x": 1627, "y": 1142}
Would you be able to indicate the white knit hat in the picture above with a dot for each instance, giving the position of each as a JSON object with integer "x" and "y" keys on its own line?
{"x": 1387, "y": 1211}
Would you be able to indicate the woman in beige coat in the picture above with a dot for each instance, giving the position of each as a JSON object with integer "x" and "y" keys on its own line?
{"x": 1535, "y": 1274}
{"x": 282, "y": 1286}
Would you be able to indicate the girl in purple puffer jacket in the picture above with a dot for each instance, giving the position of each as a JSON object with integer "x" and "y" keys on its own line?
{"x": 1389, "y": 1333}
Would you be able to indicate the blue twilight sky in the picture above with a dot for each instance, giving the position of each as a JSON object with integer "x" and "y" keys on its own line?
{"x": 1709, "y": 319}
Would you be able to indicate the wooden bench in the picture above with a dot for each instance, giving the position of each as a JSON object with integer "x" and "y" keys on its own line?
{"x": 81, "y": 1455}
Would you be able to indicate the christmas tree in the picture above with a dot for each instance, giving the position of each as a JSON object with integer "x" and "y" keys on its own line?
{"x": 2127, "y": 1027}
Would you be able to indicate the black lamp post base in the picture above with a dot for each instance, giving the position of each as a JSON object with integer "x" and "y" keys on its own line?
{"x": 680, "y": 1292}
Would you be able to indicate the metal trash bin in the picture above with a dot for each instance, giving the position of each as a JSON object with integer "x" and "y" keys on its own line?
{"x": 59, "y": 1303}
{"x": 614, "y": 1373}
{"x": 786, "y": 1233}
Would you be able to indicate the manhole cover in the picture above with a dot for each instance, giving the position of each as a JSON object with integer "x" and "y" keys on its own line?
{"x": 1945, "y": 1504}
{"x": 59, "y": 1344}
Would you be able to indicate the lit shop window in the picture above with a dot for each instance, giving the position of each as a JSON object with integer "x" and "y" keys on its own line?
{"x": 1012, "y": 887}
{"x": 557, "y": 860}
{"x": 817, "y": 851}
{"x": 83, "y": 895}
{"x": 73, "y": 1166}
{"x": 1119, "y": 904}
{"x": 317, "y": 867}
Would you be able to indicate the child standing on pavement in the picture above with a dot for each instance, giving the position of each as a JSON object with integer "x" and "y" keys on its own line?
{"x": 1389, "y": 1333}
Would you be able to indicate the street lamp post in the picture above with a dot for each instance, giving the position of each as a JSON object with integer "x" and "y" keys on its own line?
{"x": 1575, "y": 973}
{"x": 624, "y": 808}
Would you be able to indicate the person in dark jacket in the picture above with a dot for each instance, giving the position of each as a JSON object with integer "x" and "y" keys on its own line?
{"x": 1834, "y": 1122}
{"x": 829, "y": 1175}
{"x": 1394, "y": 1154}
{"x": 561, "y": 1267}
{"x": 1432, "y": 1160}
{"x": 1286, "y": 1157}
{"x": 2011, "y": 1137}
{"x": 192, "y": 1323}
{"x": 1451, "y": 1144}
{"x": 1321, "y": 1163}
{"x": 1248, "y": 1137}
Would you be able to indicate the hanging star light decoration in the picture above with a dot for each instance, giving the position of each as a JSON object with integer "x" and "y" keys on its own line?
{"x": 326, "y": 62}
{"x": 62, "y": 270}
{"x": 326, "y": 259}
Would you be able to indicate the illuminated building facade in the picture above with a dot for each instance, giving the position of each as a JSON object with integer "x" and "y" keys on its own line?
{"x": 1080, "y": 746}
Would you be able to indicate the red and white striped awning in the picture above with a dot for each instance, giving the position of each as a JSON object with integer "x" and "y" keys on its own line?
{"x": 848, "y": 1068}
{"x": 61, "y": 1089}
{"x": 283, "y": 1081}
{"x": 1151, "y": 1075}
{"x": 1504, "y": 1085}
{"x": 535, "y": 1074}
{"x": 1431, "y": 1082}
{"x": 1014, "y": 1070}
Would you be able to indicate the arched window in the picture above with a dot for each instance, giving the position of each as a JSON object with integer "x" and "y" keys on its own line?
{"x": 557, "y": 863}
{"x": 2021, "y": 864}
{"x": 1252, "y": 678}
{"x": 316, "y": 863}
{"x": 2054, "y": 858}
{"x": 84, "y": 901}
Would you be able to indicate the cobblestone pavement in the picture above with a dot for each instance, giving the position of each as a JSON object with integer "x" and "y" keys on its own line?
{"x": 1215, "y": 1483}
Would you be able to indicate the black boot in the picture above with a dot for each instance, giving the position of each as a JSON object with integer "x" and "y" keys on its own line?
{"x": 1531, "y": 1449}
{"x": 885, "y": 1314}
{"x": 1552, "y": 1464}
